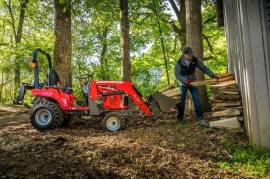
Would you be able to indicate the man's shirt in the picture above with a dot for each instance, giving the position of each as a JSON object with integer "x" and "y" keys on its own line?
{"x": 192, "y": 77}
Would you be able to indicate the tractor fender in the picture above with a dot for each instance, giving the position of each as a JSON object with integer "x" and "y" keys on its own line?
{"x": 65, "y": 100}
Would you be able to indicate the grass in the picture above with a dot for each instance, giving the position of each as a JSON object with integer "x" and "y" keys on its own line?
{"x": 246, "y": 159}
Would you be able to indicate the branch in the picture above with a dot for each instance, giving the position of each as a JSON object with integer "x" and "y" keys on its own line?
{"x": 208, "y": 43}
{"x": 141, "y": 22}
{"x": 176, "y": 10}
{"x": 210, "y": 19}
{"x": 8, "y": 5}
{"x": 21, "y": 20}
{"x": 208, "y": 58}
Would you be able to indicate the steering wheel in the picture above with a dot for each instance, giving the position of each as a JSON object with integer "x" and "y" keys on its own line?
{"x": 84, "y": 78}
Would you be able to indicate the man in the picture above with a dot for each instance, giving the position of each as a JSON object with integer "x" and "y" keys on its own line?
{"x": 185, "y": 73}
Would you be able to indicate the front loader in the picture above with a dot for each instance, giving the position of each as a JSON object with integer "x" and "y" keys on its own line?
{"x": 55, "y": 105}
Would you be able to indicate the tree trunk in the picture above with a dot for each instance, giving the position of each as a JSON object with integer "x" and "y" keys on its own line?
{"x": 125, "y": 49}
{"x": 194, "y": 40}
{"x": 62, "y": 43}
{"x": 219, "y": 12}
{"x": 2, "y": 83}
{"x": 18, "y": 38}
{"x": 183, "y": 22}
{"x": 103, "y": 60}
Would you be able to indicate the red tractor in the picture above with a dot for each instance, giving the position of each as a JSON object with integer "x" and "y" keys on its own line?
{"x": 55, "y": 105}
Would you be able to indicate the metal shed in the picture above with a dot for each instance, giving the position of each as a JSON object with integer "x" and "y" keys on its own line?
{"x": 247, "y": 26}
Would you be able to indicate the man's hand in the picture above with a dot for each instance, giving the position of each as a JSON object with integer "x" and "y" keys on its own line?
{"x": 187, "y": 83}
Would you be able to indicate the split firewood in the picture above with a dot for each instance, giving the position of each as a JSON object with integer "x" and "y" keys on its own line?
{"x": 223, "y": 84}
{"x": 227, "y": 104}
{"x": 226, "y": 113}
{"x": 223, "y": 101}
{"x": 212, "y": 81}
{"x": 225, "y": 122}
{"x": 221, "y": 108}
{"x": 227, "y": 88}
{"x": 230, "y": 92}
{"x": 228, "y": 97}
{"x": 224, "y": 75}
{"x": 225, "y": 91}
{"x": 222, "y": 92}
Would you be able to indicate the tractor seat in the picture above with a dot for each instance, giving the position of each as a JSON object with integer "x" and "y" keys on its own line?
{"x": 53, "y": 78}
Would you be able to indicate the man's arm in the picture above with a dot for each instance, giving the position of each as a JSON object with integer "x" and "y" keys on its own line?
{"x": 204, "y": 69}
{"x": 177, "y": 73}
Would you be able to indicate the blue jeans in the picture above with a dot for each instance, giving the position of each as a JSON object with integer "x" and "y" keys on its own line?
{"x": 196, "y": 100}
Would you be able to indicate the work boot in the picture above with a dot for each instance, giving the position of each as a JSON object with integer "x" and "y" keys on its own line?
{"x": 179, "y": 117}
{"x": 204, "y": 123}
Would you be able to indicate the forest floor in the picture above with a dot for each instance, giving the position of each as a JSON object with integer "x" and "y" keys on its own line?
{"x": 161, "y": 149}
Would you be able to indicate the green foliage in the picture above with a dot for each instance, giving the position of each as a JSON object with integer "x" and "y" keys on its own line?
{"x": 90, "y": 20}
{"x": 247, "y": 160}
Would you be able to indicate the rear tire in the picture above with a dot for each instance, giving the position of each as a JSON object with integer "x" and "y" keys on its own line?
{"x": 46, "y": 115}
{"x": 113, "y": 122}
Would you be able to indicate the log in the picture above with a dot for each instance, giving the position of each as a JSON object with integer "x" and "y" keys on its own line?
{"x": 224, "y": 75}
{"x": 227, "y": 122}
{"x": 230, "y": 92}
{"x": 222, "y": 93}
{"x": 227, "y": 88}
{"x": 225, "y": 91}
{"x": 219, "y": 108}
{"x": 223, "y": 84}
{"x": 226, "y": 113}
{"x": 229, "y": 97}
{"x": 212, "y": 81}
{"x": 223, "y": 101}
{"x": 227, "y": 104}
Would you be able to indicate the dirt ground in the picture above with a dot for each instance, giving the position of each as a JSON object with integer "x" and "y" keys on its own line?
{"x": 161, "y": 149}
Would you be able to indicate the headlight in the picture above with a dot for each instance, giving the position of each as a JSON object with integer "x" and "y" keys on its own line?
{"x": 33, "y": 65}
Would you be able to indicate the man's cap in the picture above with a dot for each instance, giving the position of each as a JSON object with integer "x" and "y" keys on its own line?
{"x": 187, "y": 50}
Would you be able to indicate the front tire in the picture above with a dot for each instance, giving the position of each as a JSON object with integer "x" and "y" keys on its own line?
{"x": 113, "y": 122}
{"x": 46, "y": 115}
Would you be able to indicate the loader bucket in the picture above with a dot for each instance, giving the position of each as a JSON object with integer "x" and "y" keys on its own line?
{"x": 161, "y": 102}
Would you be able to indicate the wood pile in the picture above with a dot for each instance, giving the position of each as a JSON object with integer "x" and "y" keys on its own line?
{"x": 226, "y": 103}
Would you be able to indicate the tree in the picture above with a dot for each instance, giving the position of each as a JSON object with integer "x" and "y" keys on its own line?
{"x": 125, "y": 49}
{"x": 219, "y": 12}
{"x": 195, "y": 41}
{"x": 17, "y": 33}
{"x": 103, "y": 61}
{"x": 62, "y": 43}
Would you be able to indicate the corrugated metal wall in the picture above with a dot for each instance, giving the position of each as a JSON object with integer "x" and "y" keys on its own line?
{"x": 247, "y": 26}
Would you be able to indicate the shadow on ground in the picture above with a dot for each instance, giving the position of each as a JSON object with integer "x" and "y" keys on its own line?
{"x": 161, "y": 149}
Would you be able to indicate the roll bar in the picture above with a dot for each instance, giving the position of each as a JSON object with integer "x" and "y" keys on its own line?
{"x": 35, "y": 60}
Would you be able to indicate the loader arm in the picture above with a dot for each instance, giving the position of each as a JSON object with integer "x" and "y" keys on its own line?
{"x": 125, "y": 86}
{"x": 137, "y": 99}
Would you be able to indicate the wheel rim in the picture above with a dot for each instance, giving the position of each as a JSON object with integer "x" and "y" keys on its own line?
{"x": 43, "y": 117}
{"x": 113, "y": 124}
